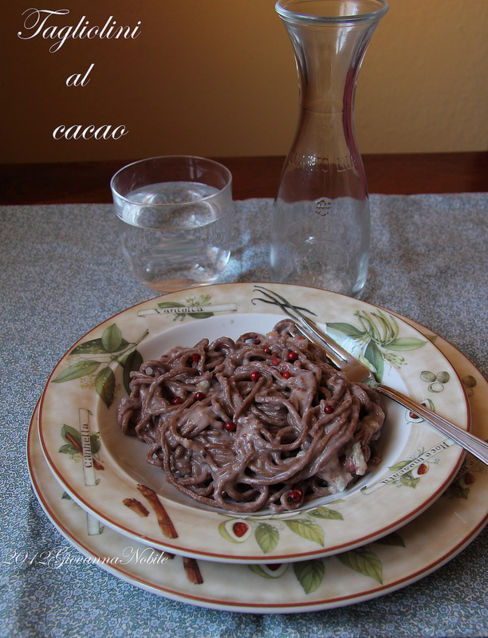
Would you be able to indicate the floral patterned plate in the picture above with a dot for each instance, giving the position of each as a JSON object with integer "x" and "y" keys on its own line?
{"x": 106, "y": 472}
{"x": 360, "y": 574}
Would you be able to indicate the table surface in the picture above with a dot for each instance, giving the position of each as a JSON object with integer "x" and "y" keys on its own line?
{"x": 62, "y": 273}
{"x": 401, "y": 174}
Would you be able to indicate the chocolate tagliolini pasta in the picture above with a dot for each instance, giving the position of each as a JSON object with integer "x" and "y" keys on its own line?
{"x": 262, "y": 422}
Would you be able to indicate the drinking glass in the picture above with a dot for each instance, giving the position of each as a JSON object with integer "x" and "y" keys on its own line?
{"x": 175, "y": 215}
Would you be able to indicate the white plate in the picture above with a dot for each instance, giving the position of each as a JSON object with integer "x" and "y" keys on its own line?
{"x": 80, "y": 400}
{"x": 416, "y": 550}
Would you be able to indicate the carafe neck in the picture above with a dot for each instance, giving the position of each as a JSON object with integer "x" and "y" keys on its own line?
{"x": 328, "y": 58}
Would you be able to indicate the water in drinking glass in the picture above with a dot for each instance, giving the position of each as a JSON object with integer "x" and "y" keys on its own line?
{"x": 175, "y": 234}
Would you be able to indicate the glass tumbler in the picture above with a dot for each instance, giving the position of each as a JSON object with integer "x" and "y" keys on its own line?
{"x": 175, "y": 215}
{"x": 321, "y": 219}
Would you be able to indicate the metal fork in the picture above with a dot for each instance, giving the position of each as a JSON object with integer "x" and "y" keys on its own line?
{"x": 355, "y": 371}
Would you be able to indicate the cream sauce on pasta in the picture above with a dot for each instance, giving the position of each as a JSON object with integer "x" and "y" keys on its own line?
{"x": 261, "y": 422}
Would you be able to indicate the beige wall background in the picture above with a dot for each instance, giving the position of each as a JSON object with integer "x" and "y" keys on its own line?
{"x": 217, "y": 78}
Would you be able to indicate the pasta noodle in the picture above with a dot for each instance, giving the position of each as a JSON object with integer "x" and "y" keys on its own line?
{"x": 261, "y": 422}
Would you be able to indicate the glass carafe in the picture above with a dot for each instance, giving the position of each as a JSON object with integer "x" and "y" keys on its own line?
{"x": 321, "y": 220}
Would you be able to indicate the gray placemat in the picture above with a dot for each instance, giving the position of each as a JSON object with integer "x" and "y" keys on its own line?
{"x": 62, "y": 272}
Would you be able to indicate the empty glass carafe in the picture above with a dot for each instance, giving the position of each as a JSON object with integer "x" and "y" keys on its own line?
{"x": 321, "y": 219}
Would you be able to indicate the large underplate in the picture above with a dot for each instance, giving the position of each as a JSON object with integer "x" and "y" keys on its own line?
{"x": 408, "y": 555}
{"x": 101, "y": 468}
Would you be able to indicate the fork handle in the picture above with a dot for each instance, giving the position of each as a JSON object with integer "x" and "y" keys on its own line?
{"x": 468, "y": 441}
